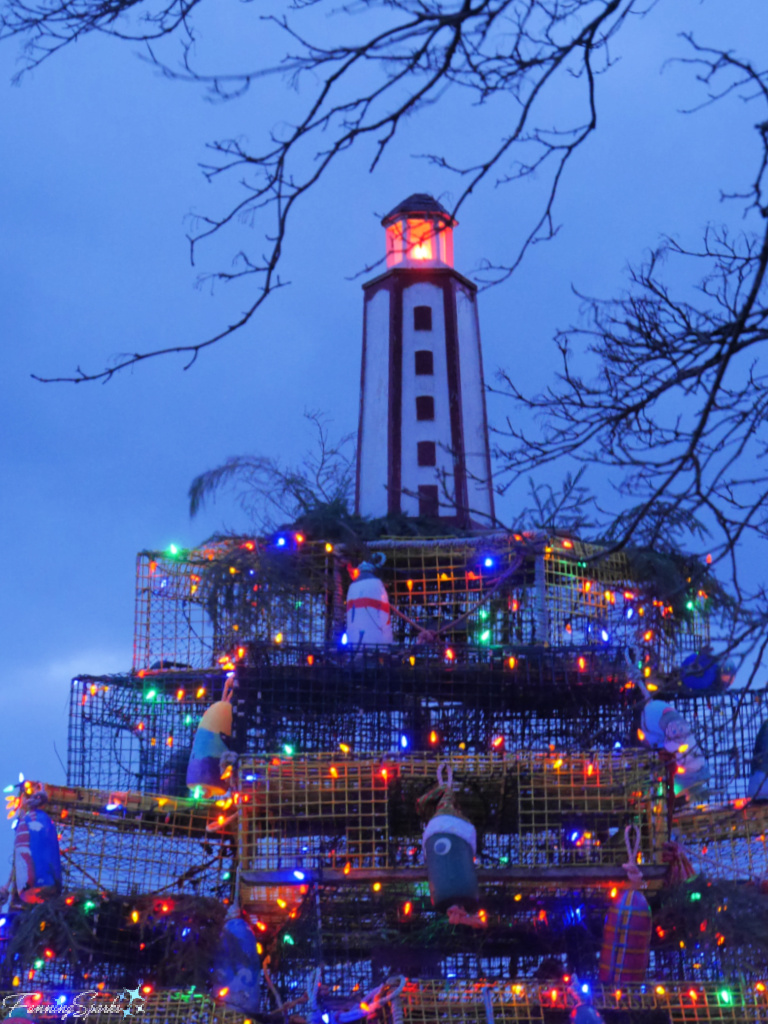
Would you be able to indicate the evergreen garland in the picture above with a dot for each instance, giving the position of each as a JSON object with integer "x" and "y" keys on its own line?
{"x": 173, "y": 947}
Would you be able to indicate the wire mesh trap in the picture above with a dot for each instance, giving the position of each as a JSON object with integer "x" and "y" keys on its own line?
{"x": 481, "y": 1002}
{"x": 136, "y": 732}
{"x": 346, "y": 811}
{"x": 494, "y": 589}
{"x": 727, "y": 841}
{"x": 132, "y": 844}
{"x": 169, "y": 1007}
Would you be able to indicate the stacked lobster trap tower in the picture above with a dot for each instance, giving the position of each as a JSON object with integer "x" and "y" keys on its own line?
{"x": 412, "y": 779}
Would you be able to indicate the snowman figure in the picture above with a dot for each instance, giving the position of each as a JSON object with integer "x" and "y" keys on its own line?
{"x": 662, "y": 727}
{"x": 369, "y": 620}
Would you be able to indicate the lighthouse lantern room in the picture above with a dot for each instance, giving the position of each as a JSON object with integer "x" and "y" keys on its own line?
{"x": 423, "y": 434}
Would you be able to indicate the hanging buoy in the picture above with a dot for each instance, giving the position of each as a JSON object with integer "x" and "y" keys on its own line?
{"x": 449, "y": 844}
{"x": 758, "y": 781}
{"x": 585, "y": 1014}
{"x": 36, "y": 858}
{"x": 369, "y": 619}
{"x": 204, "y": 771}
{"x": 662, "y": 727}
{"x": 236, "y": 966}
{"x": 700, "y": 672}
{"x": 626, "y": 947}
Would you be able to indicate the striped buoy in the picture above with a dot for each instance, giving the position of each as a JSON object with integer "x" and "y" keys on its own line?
{"x": 626, "y": 946}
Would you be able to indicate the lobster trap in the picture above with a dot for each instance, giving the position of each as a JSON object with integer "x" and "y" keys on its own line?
{"x": 342, "y": 813}
{"x": 89, "y": 939}
{"x": 481, "y": 1002}
{"x": 135, "y": 732}
{"x": 170, "y": 1007}
{"x": 361, "y": 934}
{"x": 129, "y": 844}
{"x": 316, "y": 698}
{"x": 499, "y": 590}
{"x": 727, "y": 841}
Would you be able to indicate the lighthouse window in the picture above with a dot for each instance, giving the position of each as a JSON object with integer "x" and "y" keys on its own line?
{"x": 425, "y": 407}
{"x": 426, "y": 453}
{"x": 424, "y": 363}
{"x": 422, "y": 318}
{"x": 428, "y": 503}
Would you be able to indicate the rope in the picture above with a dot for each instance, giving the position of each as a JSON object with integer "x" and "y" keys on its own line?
{"x": 634, "y": 874}
{"x": 270, "y": 984}
{"x": 313, "y": 987}
{"x": 373, "y": 1000}
{"x": 396, "y": 1009}
{"x": 488, "y": 1005}
{"x": 680, "y": 868}
{"x": 229, "y": 686}
{"x": 443, "y": 793}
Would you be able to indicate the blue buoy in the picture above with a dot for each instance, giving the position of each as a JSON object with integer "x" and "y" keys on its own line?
{"x": 237, "y": 967}
{"x": 700, "y": 672}
{"x": 758, "y": 782}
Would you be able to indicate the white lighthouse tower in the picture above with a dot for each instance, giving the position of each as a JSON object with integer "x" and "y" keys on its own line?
{"x": 423, "y": 433}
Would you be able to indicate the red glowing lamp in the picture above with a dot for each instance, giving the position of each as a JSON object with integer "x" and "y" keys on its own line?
{"x": 419, "y": 233}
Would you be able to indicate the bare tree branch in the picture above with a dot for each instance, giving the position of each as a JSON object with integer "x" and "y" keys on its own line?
{"x": 512, "y": 53}
{"x": 673, "y": 397}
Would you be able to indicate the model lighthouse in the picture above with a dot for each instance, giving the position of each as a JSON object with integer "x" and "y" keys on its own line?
{"x": 423, "y": 434}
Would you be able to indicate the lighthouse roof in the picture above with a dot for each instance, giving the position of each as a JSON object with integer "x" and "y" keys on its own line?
{"x": 420, "y": 203}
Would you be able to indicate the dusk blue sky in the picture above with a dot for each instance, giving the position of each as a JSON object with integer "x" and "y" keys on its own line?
{"x": 99, "y": 171}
